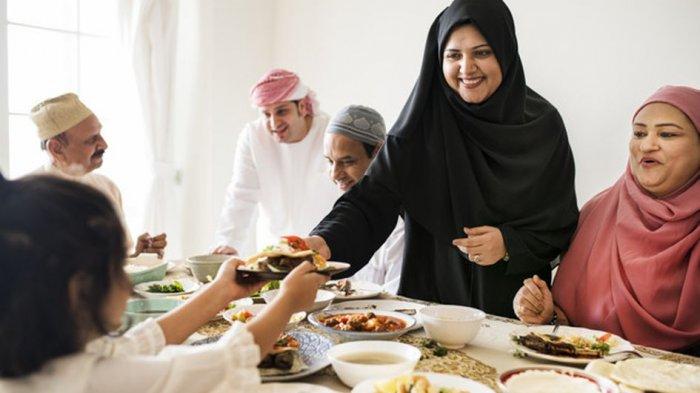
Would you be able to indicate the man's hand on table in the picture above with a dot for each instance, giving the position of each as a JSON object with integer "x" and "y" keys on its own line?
{"x": 150, "y": 245}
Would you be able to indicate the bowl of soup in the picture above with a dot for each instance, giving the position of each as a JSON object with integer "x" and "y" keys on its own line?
{"x": 362, "y": 324}
{"x": 358, "y": 361}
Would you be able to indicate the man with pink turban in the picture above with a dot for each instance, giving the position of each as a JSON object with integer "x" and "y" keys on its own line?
{"x": 633, "y": 267}
{"x": 279, "y": 167}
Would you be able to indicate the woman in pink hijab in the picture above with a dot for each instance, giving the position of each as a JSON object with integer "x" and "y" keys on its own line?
{"x": 633, "y": 267}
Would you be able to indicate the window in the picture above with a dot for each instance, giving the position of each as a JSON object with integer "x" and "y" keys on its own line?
{"x": 59, "y": 46}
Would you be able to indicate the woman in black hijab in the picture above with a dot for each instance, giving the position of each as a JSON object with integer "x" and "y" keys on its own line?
{"x": 474, "y": 150}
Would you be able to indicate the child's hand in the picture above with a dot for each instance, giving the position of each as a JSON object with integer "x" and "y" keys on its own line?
{"x": 226, "y": 279}
{"x": 300, "y": 286}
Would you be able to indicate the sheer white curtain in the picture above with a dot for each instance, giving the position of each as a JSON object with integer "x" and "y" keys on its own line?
{"x": 149, "y": 29}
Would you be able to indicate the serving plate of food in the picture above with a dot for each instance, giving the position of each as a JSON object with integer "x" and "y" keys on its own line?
{"x": 347, "y": 289}
{"x": 365, "y": 324}
{"x": 274, "y": 262}
{"x": 166, "y": 288}
{"x": 408, "y": 308}
{"x": 569, "y": 345}
{"x": 245, "y": 313}
{"x": 553, "y": 379}
{"x": 296, "y": 354}
{"x": 422, "y": 383}
{"x": 308, "y": 350}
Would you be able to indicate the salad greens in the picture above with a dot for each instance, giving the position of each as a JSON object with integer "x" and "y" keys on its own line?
{"x": 174, "y": 287}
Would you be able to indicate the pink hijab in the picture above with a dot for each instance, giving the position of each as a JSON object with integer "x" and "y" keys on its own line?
{"x": 633, "y": 267}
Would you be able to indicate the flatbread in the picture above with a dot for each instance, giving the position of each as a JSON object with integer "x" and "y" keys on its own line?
{"x": 658, "y": 375}
{"x": 297, "y": 366}
{"x": 279, "y": 253}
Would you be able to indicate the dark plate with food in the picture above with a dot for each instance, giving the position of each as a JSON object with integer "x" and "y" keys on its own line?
{"x": 368, "y": 324}
{"x": 276, "y": 261}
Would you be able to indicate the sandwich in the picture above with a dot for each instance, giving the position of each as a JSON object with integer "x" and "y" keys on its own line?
{"x": 283, "y": 359}
{"x": 288, "y": 253}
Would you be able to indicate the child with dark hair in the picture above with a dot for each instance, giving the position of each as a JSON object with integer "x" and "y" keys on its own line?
{"x": 62, "y": 254}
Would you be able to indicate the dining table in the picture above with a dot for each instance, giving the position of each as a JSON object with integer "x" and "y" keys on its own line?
{"x": 483, "y": 359}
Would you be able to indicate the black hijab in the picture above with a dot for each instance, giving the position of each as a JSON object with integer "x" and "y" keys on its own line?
{"x": 448, "y": 164}
{"x": 506, "y": 161}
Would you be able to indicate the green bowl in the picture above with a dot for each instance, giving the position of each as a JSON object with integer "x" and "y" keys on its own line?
{"x": 154, "y": 273}
{"x": 139, "y": 310}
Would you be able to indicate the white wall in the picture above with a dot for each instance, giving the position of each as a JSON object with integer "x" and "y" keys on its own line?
{"x": 227, "y": 48}
{"x": 595, "y": 60}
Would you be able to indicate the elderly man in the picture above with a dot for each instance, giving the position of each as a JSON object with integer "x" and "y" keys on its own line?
{"x": 278, "y": 168}
{"x": 71, "y": 135}
{"x": 352, "y": 140}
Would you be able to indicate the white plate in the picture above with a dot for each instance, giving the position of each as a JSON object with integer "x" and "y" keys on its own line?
{"x": 439, "y": 380}
{"x": 188, "y": 284}
{"x": 176, "y": 264}
{"x": 604, "y": 385}
{"x": 363, "y": 290}
{"x": 256, "y": 309}
{"x": 348, "y": 335}
{"x": 293, "y": 388}
{"x": 617, "y": 343}
{"x": 386, "y": 305}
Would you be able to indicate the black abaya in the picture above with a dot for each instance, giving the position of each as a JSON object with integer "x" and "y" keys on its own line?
{"x": 448, "y": 164}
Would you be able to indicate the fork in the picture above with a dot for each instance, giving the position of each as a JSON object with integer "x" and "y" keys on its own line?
{"x": 556, "y": 327}
{"x": 622, "y": 355}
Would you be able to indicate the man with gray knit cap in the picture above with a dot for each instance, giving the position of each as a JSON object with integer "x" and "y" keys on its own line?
{"x": 352, "y": 140}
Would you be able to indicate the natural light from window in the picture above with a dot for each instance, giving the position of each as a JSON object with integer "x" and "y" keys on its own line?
{"x": 59, "y": 46}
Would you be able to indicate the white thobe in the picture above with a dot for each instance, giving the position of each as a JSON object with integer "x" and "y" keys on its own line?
{"x": 385, "y": 266}
{"x": 288, "y": 182}
{"x": 101, "y": 183}
{"x": 140, "y": 362}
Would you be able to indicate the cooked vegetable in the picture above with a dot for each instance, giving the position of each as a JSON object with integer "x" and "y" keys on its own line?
{"x": 174, "y": 287}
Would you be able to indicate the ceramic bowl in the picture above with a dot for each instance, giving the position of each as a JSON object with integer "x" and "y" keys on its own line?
{"x": 517, "y": 379}
{"x": 139, "y": 310}
{"x": 400, "y": 359}
{"x": 205, "y": 267}
{"x": 345, "y": 335}
{"x": 323, "y": 299}
{"x": 451, "y": 326}
{"x": 145, "y": 267}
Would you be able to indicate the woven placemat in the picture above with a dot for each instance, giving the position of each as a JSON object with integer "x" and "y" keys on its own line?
{"x": 454, "y": 362}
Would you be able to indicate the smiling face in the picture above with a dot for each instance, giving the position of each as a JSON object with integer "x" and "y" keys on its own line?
{"x": 664, "y": 149}
{"x": 82, "y": 147}
{"x": 347, "y": 158}
{"x": 470, "y": 66}
{"x": 286, "y": 122}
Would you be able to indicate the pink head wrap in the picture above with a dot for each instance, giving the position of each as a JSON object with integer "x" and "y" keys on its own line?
{"x": 633, "y": 267}
{"x": 686, "y": 99}
{"x": 280, "y": 85}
